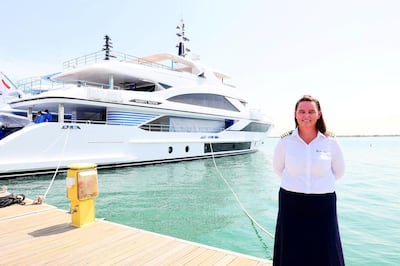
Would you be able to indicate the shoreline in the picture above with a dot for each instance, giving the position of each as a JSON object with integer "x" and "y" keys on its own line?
{"x": 357, "y": 135}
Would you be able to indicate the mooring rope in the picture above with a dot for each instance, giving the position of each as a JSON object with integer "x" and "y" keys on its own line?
{"x": 236, "y": 196}
{"x": 12, "y": 199}
{"x": 41, "y": 199}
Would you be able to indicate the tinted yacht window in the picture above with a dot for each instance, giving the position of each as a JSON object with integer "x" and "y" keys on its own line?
{"x": 206, "y": 100}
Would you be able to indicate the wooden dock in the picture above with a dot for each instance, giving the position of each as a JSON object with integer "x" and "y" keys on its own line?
{"x": 42, "y": 235}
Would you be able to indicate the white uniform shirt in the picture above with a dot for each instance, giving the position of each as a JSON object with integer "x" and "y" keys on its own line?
{"x": 308, "y": 168}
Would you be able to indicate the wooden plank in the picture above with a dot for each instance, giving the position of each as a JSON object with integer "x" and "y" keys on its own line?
{"x": 213, "y": 258}
{"x": 125, "y": 249}
{"x": 170, "y": 254}
{"x": 184, "y": 260}
{"x": 226, "y": 260}
{"x": 175, "y": 253}
{"x": 147, "y": 253}
{"x": 202, "y": 257}
{"x": 115, "y": 242}
{"x": 16, "y": 209}
{"x": 83, "y": 242}
{"x": 55, "y": 240}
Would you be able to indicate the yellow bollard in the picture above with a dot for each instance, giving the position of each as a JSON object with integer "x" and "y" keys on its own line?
{"x": 82, "y": 189}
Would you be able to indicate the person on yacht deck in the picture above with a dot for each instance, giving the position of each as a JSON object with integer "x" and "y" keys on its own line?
{"x": 47, "y": 116}
{"x": 40, "y": 118}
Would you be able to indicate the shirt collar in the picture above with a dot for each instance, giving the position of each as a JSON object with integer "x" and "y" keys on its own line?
{"x": 296, "y": 133}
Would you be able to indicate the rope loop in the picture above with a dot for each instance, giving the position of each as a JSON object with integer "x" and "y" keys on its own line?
{"x": 12, "y": 199}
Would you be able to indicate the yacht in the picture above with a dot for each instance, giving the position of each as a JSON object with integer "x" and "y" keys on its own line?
{"x": 117, "y": 110}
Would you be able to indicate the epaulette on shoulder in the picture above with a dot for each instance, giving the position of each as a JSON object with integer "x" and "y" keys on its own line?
{"x": 287, "y": 133}
{"x": 329, "y": 134}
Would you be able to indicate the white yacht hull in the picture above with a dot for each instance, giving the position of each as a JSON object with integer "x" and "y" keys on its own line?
{"x": 45, "y": 147}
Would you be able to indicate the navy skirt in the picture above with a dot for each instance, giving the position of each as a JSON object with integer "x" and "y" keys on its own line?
{"x": 307, "y": 231}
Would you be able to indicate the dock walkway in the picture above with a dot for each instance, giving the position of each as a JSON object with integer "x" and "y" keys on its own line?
{"x": 42, "y": 235}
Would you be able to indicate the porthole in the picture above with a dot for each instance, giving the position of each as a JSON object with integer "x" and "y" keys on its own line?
{"x": 170, "y": 149}
{"x": 187, "y": 149}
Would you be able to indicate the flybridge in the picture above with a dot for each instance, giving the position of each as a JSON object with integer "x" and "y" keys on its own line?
{"x": 178, "y": 63}
{"x": 161, "y": 61}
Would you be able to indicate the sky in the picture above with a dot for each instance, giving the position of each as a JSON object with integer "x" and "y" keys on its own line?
{"x": 346, "y": 53}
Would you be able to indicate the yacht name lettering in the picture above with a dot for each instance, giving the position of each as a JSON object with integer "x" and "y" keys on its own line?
{"x": 209, "y": 137}
{"x": 70, "y": 127}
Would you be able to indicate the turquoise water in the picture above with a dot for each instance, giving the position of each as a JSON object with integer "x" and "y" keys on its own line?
{"x": 191, "y": 201}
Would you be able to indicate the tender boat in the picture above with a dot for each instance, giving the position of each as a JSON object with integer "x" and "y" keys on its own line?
{"x": 118, "y": 110}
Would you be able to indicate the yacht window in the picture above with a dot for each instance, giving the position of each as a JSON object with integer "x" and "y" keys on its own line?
{"x": 206, "y": 100}
{"x": 146, "y": 88}
{"x": 256, "y": 127}
{"x": 91, "y": 115}
{"x": 226, "y": 146}
{"x": 184, "y": 124}
{"x": 165, "y": 86}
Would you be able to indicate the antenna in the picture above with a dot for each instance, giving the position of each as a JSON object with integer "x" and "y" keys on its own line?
{"x": 107, "y": 47}
{"x": 182, "y": 51}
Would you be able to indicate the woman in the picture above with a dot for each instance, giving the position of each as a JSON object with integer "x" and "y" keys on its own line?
{"x": 308, "y": 161}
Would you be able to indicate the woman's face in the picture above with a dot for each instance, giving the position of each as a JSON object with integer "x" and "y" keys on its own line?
{"x": 307, "y": 114}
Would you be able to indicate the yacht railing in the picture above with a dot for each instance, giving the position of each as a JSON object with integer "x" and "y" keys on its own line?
{"x": 37, "y": 85}
{"x": 99, "y": 56}
{"x": 183, "y": 129}
{"x": 75, "y": 121}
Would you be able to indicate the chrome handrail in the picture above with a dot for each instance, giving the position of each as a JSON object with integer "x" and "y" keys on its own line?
{"x": 99, "y": 56}
{"x": 37, "y": 85}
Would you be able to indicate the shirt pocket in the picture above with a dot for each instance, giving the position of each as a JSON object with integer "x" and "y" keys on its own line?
{"x": 321, "y": 162}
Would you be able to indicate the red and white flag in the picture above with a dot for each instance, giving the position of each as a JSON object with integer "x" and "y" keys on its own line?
{"x": 8, "y": 90}
{"x": 4, "y": 85}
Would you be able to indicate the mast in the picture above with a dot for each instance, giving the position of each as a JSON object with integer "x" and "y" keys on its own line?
{"x": 107, "y": 47}
{"x": 182, "y": 51}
